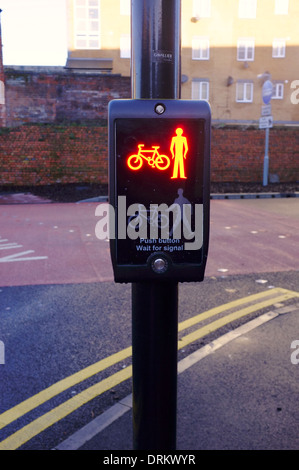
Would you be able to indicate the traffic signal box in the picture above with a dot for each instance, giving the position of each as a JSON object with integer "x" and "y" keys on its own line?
{"x": 159, "y": 195}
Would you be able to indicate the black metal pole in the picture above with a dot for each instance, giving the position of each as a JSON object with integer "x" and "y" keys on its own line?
{"x": 156, "y": 74}
{"x": 156, "y": 49}
{"x": 154, "y": 308}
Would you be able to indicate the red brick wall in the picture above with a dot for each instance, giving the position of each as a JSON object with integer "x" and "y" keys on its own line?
{"x": 47, "y": 154}
{"x": 54, "y": 133}
{"x": 49, "y": 97}
{"x": 40, "y": 155}
{"x": 238, "y": 155}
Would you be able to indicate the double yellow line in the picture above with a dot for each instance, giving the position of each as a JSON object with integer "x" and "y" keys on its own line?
{"x": 250, "y": 304}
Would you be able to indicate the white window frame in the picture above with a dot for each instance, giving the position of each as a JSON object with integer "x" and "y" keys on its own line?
{"x": 200, "y": 89}
{"x": 246, "y": 45}
{"x": 125, "y": 7}
{"x": 278, "y": 48}
{"x": 281, "y": 7}
{"x": 200, "y": 48}
{"x": 125, "y": 46}
{"x": 278, "y": 90}
{"x": 244, "y": 87}
{"x": 201, "y": 8}
{"x": 247, "y": 9}
{"x": 87, "y": 33}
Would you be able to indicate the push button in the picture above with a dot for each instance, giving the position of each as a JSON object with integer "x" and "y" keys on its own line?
{"x": 159, "y": 265}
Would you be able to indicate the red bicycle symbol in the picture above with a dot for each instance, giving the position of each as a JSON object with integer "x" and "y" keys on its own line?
{"x": 153, "y": 158}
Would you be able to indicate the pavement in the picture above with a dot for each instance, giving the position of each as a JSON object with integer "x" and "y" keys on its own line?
{"x": 239, "y": 392}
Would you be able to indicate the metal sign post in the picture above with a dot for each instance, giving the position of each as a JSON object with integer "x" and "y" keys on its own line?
{"x": 266, "y": 158}
{"x": 265, "y": 122}
{"x": 155, "y": 74}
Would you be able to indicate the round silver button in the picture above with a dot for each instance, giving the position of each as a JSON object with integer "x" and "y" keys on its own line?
{"x": 160, "y": 108}
{"x": 159, "y": 265}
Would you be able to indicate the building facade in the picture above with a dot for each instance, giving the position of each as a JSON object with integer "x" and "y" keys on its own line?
{"x": 99, "y": 36}
{"x": 229, "y": 49}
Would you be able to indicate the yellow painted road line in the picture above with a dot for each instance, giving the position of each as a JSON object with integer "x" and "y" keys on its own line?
{"x": 34, "y": 428}
{"x": 222, "y": 308}
{"x": 215, "y": 325}
{"x": 33, "y": 402}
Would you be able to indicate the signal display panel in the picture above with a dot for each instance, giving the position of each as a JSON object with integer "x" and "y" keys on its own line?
{"x": 159, "y": 188}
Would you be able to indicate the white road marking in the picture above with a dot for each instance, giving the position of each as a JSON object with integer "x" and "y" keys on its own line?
{"x": 8, "y": 246}
{"x": 17, "y": 256}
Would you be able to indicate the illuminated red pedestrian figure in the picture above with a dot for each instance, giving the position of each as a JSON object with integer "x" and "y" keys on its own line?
{"x": 179, "y": 149}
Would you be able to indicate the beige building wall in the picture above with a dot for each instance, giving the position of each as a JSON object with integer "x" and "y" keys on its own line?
{"x": 225, "y": 58}
{"x": 112, "y": 20}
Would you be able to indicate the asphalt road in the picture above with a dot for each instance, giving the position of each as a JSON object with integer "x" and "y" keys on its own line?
{"x": 61, "y": 311}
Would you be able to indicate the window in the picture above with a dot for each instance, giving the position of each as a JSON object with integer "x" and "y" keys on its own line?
{"x": 247, "y": 8}
{"x": 244, "y": 92}
{"x": 200, "y": 48}
{"x": 281, "y": 7}
{"x": 278, "y": 48}
{"x": 200, "y": 89}
{"x": 87, "y": 24}
{"x": 245, "y": 49}
{"x": 125, "y": 7}
{"x": 278, "y": 89}
{"x": 125, "y": 46}
{"x": 202, "y": 8}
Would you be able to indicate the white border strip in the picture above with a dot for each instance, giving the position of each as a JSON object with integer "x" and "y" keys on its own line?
{"x": 85, "y": 434}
